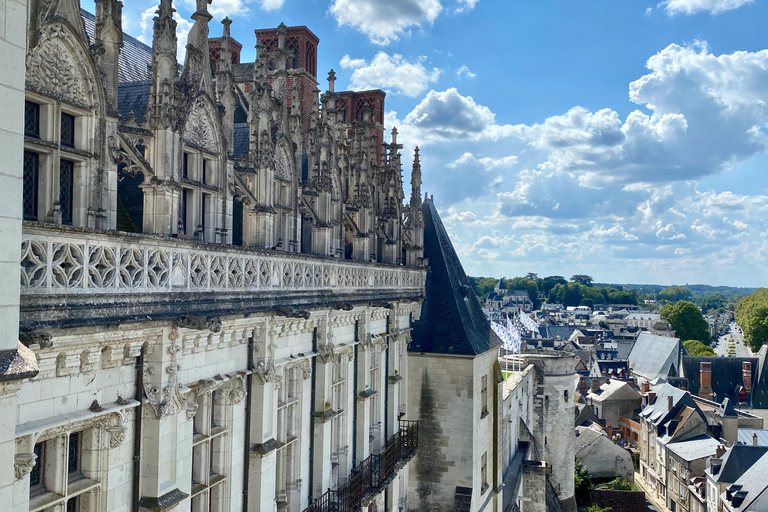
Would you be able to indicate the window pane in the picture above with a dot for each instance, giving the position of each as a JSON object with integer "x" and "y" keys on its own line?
{"x": 67, "y": 130}
{"x": 36, "y": 475}
{"x": 73, "y": 504}
{"x": 31, "y": 165}
{"x": 73, "y": 457}
{"x": 66, "y": 186}
{"x": 32, "y": 119}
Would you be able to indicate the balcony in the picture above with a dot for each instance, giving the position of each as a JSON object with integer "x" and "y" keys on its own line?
{"x": 106, "y": 276}
{"x": 373, "y": 475}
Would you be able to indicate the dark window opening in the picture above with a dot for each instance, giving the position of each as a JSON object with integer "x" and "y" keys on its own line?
{"x": 67, "y": 130}
{"x": 66, "y": 190}
{"x": 184, "y": 210}
{"x": 205, "y": 171}
{"x": 73, "y": 504}
{"x": 31, "y": 119}
{"x": 130, "y": 202}
{"x": 30, "y": 185}
{"x": 185, "y": 166}
{"x": 202, "y": 215}
{"x": 237, "y": 223}
{"x": 73, "y": 455}
{"x": 36, "y": 476}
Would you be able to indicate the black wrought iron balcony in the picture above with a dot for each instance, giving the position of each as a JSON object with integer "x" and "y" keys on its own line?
{"x": 373, "y": 475}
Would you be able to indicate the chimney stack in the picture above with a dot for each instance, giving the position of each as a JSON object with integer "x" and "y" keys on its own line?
{"x": 669, "y": 402}
{"x": 645, "y": 387}
{"x": 583, "y": 386}
{"x": 607, "y": 379}
{"x": 705, "y": 378}
{"x": 746, "y": 373}
{"x": 754, "y": 439}
{"x": 720, "y": 451}
{"x": 595, "y": 384}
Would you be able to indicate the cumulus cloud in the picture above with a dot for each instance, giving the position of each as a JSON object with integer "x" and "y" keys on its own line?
{"x": 222, "y": 8}
{"x": 488, "y": 163}
{"x": 272, "y": 5}
{"x": 464, "y": 71}
{"x": 466, "y": 5}
{"x": 384, "y": 22}
{"x": 449, "y": 116}
{"x": 392, "y": 73}
{"x": 688, "y": 7}
{"x": 707, "y": 114}
{"x": 454, "y": 216}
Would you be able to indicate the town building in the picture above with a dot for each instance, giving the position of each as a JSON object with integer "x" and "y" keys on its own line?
{"x": 508, "y": 301}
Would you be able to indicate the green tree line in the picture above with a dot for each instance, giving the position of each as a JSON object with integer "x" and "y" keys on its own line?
{"x": 751, "y": 313}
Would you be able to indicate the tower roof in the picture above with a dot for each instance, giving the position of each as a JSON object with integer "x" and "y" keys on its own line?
{"x": 452, "y": 321}
{"x": 501, "y": 285}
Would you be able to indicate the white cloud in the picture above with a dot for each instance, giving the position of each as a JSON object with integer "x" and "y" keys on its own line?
{"x": 384, "y": 21}
{"x": 391, "y": 73}
{"x": 674, "y": 7}
{"x": 466, "y": 5}
{"x": 272, "y": 5}
{"x": 488, "y": 163}
{"x": 449, "y": 116}
{"x": 707, "y": 114}
{"x": 464, "y": 71}
{"x": 222, "y": 8}
{"x": 456, "y": 216}
{"x": 614, "y": 232}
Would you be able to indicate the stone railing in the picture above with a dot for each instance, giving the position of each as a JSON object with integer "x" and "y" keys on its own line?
{"x": 67, "y": 261}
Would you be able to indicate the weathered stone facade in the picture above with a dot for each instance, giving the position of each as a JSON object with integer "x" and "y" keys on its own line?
{"x": 213, "y": 331}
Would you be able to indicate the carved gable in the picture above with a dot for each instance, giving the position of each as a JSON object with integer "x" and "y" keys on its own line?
{"x": 53, "y": 69}
{"x": 283, "y": 163}
{"x": 199, "y": 130}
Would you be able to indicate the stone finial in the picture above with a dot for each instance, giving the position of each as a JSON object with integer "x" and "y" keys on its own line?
{"x": 226, "y": 22}
{"x": 282, "y": 30}
{"x": 416, "y": 160}
{"x": 394, "y": 136}
{"x": 332, "y": 81}
{"x": 202, "y": 6}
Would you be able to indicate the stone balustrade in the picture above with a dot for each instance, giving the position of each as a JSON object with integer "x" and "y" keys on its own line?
{"x": 94, "y": 267}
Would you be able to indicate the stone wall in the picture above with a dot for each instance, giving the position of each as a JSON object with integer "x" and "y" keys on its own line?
{"x": 620, "y": 501}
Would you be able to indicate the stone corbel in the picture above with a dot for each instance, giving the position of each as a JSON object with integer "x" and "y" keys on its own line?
{"x": 234, "y": 391}
{"x": 23, "y": 464}
{"x": 264, "y": 368}
{"x": 200, "y": 323}
{"x": 292, "y": 312}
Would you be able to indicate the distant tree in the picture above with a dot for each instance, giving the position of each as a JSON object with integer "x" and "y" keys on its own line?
{"x": 532, "y": 276}
{"x": 675, "y": 293}
{"x": 582, "y": 482}
{"x": 483, "y": 285}
{"x": 549, "y": 282}
{"x": 751, "y": 313}
{"x": 617, "y": 484}
{"x": 517, "y": 283}
{"x": 697, "y": 348}
{"x": 582, "y": 279}
{"x": 602, "y": 324}
{"x": 687, "y": 321}
{"x": 712, "y": 302}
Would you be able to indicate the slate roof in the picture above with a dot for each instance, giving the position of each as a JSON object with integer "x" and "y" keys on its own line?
{"x": 241, "y": 139}
{"x": 501, "y": 285}
{"x": 658, "y": 411}
{"x": 655, "y": 356}
{"x": 745, "y": 436}
{"x": 452, "y": 321}
{"x": 133, "y": 97}
{"x": 519, "y": 293}
{"x": 738, "y": 459}
{"x": 553, "y": 331}
{"x": 726, "y": 376}
{"x": 695, "y": 448}
{"x": 135, "y": 56}
{"x": 615, "y": 366}
{"x": 753, "y": 484}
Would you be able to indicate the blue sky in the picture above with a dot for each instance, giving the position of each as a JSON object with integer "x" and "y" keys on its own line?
{"x": 625, "y": 140}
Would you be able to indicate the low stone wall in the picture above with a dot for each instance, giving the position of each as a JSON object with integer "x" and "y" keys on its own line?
{"x": 619, "y": 501}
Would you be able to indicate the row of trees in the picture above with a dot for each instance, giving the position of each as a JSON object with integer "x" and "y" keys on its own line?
{"x": 578, "y": 292}
{"x": 751, "y": 313}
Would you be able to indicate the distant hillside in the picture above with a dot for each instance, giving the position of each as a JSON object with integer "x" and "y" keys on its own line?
{"x": 696, "y": 289}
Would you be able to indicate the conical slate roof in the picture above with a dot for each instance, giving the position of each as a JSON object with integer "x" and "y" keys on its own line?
{"x": 452, "y": 321}
{"x": 501, "y": 285}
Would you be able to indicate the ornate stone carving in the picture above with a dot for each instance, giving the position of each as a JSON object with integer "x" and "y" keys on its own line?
{"x": 198, "y": 130}
{"x": 169, "y": 399}
{"x": 306, "y": 372}
{"x": 265, "y": 369}
{"x": 234, "y": 391}
{"x": 282, "y": 164}
{"x": 52, "y": 69}
{"x": 200, "y": 323}
{"x": 116, "y": 435}
{"x": 23, "y": 464}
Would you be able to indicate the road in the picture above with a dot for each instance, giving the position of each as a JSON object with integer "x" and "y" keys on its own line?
{"x": 738, "y": 337}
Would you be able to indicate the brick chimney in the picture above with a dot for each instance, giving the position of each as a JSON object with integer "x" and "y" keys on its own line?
{"x": 583, "y": 386}
{"x": 607, "y": 379}
{"x": 705, "y": 378}
{"x": 720, "y": 451}
{"x": 595, "y": 384}
{"x": 669, "y": 402}
{"x": 746, "y": 373}
{"x": 645, "y": 387}
{"x": 754, "y": 439}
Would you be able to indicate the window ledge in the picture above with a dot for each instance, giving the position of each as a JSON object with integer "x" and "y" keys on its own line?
{"x": 484, "y": 414}
{"x": 81, "y": 485}
{"x": 44, "y": 500}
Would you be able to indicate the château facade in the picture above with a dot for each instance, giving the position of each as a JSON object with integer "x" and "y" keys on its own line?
{"x": 218, "y": 276}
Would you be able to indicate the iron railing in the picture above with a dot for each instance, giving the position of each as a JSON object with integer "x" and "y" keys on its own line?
{"x": 372, "y": 475}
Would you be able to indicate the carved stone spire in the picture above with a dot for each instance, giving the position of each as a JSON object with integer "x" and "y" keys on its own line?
{"x": 331, "y": 81}
{"x": 197, "y": 65}
{"x": 416, "y": 183}
{"x": 108, "y": 39}
{"x": 225, "y": 84}
{"x": 164, "y": 68}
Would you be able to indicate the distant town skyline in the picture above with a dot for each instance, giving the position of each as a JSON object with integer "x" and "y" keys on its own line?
{"x": 622, "y": 140}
